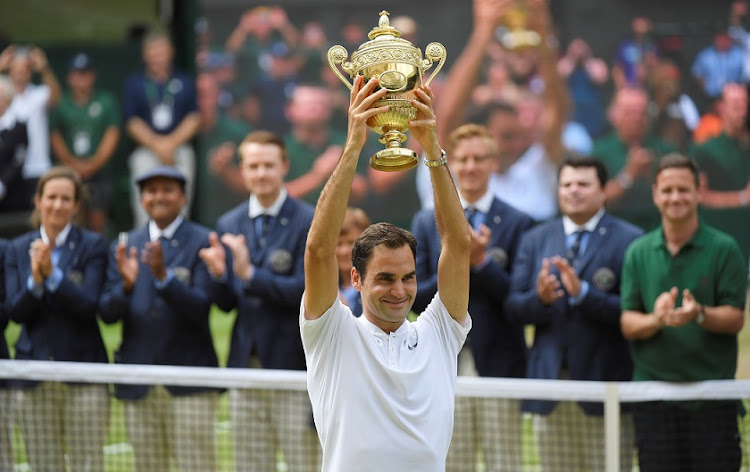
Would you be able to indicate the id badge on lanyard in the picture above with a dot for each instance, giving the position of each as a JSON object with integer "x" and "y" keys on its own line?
{"x": 162, "y": 111}
{"x": 82, "y": 143}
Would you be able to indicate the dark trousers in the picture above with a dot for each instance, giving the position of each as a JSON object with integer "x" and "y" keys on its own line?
{"x": 687, "y": 436}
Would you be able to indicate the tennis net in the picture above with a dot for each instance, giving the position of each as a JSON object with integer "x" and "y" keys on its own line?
{"x": 58, "y": 416}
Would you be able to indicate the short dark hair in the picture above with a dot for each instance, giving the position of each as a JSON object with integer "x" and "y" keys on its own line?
{"x": 265, "y": 137}
{"x": 376, "y": 234}
{"x": 579, "y": 160}
{"x": 676, "y": 160}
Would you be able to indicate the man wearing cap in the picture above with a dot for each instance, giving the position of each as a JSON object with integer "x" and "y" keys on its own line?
{"x": 161, "y": 116}
{"x": 263, "y": 277}
{"x": 158, "y": 286}
{"x": 84, "y": 131}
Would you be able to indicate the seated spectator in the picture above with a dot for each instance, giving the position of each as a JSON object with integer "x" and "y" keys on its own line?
{"x": 724, "y": 163}
{"x": 256, "y": 32}
{"x": 219, "y": 181}
{"x": 674, "y": 114}
{"x": 630, "y": 153}
{"x": 585, "y": 75}
{"x": 718, "y": 65}
{"x": 635, "y": 56}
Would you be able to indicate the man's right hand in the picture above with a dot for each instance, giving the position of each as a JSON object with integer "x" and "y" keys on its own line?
{"x": 214, "y": 256}
{"x": 361, "y": 100}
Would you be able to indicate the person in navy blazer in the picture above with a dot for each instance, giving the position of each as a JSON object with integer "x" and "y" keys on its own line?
{"x": 266, "y": 239}
{"x": 566, "y": 283}
{"x": 160, "y": 289}
{"x": 53, "y": 279}
{"x": 6, "y": 451}
{"x": 496, "y": 346}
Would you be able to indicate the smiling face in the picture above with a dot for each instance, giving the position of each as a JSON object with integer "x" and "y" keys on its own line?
{"x": 579, "y": 193}
{"x": 472, "y": 162}
{"x": 676, "y": 195}
{"x": 263, "y": 170}
{"x": 163, "y": 199}
{"x": 57, "y": 203}
{"x": 388, "y": 287}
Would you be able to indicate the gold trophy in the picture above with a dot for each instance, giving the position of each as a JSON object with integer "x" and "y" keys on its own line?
{"x": 515, "y": 35}
{"x": 399, "y": 68}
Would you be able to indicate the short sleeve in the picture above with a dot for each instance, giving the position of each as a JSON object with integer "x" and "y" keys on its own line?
{"x": 630, "y": 294}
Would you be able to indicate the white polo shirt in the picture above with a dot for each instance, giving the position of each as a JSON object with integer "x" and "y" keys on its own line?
{"x": 383, "y": 402}
{"x": 30, "y": 107}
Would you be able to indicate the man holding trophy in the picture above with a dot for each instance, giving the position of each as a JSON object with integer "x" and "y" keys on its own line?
{"x": 378, "y": 382}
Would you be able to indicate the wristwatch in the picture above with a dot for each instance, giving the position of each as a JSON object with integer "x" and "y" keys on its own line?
{"x": 701, "y": 318}
{"x": 437, "y": 162}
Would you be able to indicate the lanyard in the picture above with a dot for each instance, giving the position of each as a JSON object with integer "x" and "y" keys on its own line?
{"x": 171, "y": 88}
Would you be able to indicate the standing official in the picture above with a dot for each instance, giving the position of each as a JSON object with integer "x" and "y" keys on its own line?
{"x": 683, "y": 291}
{"x": 160, "y": 290}
{"x": 263, "y": 278}
{"x": 566, "y": 282}
{"x": 53, "y": 278}
{"x": 496, "y": 347}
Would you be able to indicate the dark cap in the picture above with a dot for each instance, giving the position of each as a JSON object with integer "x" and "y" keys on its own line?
{"x": 166, "y": 172}
{"x": 81, "y": 62}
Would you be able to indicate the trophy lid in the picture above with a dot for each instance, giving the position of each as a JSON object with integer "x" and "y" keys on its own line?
{"x": 384, "y": 28}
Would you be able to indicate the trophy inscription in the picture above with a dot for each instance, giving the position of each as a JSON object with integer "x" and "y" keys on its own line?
{"x": 399, "y": 67}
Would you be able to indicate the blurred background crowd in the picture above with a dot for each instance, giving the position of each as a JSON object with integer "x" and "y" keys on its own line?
{"x": 625, "y": 83}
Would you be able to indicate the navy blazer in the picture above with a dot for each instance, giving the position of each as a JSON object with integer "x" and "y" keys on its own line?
{"x": 61, "y": 325}
{"x": 4, "y": 354}
{"x": 167, "y": 325}
{"x": 586, "y": 337}
{"x": 268, "y": 305}
{"x": 497, "y": 343}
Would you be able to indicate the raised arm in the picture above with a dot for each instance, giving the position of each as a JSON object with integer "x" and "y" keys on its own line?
{"x": 321, "y": 270}
{"x": 465, "y": 71}
{"x": 455, "y": 233}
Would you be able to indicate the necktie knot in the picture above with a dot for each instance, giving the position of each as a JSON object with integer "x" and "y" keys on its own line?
{"x": 575, "y": 245}
{"x": 472, "y": 215}
{"x": 262, "y": 224}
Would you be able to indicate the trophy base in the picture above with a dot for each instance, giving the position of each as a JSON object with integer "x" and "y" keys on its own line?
{"x": 394, "y": 159}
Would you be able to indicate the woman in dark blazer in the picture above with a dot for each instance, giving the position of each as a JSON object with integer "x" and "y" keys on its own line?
{"x": 53, "y": 277}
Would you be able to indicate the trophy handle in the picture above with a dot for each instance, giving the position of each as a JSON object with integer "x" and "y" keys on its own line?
{"x": 337, "y": 55}
{"x": 432, "y": 53}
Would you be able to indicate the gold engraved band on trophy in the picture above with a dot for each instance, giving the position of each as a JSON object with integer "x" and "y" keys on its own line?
{"x": 399, "y": 68}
